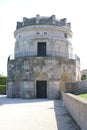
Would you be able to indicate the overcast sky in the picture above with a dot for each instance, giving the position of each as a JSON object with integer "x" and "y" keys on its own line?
{"x": 12, "y": 11}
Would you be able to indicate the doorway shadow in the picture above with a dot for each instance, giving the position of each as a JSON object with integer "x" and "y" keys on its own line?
{"x": 63, "y": 118}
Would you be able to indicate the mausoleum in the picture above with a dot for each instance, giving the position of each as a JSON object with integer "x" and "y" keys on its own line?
{"x": 43, "y": 57}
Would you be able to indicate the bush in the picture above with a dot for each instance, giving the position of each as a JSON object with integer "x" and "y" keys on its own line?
{"x": 3, "y": 80}
{"x": 83, "y": 77}
{"x": 2, "y": 89}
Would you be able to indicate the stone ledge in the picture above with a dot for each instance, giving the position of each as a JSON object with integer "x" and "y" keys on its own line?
{"x": 77, "y": 107}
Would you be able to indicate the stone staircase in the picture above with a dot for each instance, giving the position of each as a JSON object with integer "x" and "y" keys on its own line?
{"x": 81, "y": 87}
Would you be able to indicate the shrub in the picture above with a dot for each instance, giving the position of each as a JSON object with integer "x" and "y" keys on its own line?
{"x": 83, "y": 77}
{"x": 2, "y": 89}
{"x": 3, "y": 80}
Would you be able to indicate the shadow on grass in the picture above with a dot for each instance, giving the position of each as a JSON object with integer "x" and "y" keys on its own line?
{"x": 63, "y": 118}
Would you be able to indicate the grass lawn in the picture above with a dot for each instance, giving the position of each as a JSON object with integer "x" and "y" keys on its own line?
{"x": 83, "y": 95}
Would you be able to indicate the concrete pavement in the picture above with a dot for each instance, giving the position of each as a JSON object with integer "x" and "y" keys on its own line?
{"x": 34, "y": 114}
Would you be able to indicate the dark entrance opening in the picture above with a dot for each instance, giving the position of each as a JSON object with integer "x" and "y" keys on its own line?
{"x": 41, "y": 89}
{"x": 41, "y": 49}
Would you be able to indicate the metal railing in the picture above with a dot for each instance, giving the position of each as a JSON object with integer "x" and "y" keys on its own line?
{"x": 50, "y": 54}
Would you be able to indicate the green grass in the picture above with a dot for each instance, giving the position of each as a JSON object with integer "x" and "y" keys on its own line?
{"x": 83, "y": 95}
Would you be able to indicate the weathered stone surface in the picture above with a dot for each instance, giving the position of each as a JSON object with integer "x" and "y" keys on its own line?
{"x": 47, "y": 68}
{"x": 43, "y": 52}
{"x": 77, "y": 107}
{"x": 43, "y": 20}
{"x": 54, "y": 36}
{"x": 26, "y": 71}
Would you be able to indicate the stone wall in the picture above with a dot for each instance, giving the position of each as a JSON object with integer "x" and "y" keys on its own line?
{"x": 57, "y": 44}
{"x": 22, "y": 89}
{"x": 27, "y": 89}
{"x": 68, "y": 87}
{"x": 77, "y": 107}
{"x": 23, "y": 73}
{"x": 76, "y": 87}
{"x": 35, "y": 68}
{"x": 43, "y": 20}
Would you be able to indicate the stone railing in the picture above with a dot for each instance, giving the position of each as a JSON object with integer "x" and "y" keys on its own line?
{"x": 77, "y": 107}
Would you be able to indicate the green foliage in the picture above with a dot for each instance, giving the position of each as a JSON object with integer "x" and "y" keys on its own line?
{"x": 83, "y": 77}
{"x": 3, "y": 80}
{"x": 2, "y": 89}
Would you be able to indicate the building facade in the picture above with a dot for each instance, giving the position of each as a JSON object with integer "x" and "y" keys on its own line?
{"x": 43, "y": 57}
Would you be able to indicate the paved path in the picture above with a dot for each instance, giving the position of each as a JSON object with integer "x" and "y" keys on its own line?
{"x": 37, "y": 114}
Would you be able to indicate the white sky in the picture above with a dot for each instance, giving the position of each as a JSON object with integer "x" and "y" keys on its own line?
{"x": 12, "y": 11}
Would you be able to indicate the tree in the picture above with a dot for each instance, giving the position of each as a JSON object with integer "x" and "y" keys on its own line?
{"x": 83, "y": 77}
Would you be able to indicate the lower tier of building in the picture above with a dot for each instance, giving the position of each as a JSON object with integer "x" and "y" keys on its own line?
{"x": 40, "y": 77}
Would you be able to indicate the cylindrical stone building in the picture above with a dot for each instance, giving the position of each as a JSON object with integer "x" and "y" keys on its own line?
{"x": 43, "y": 57}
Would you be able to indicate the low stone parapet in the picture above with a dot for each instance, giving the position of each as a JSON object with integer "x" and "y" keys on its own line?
{"x": 77, "y": 107}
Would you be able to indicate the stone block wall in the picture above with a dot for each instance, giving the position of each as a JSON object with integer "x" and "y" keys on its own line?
{"x": 77, "y": 107}
{"x": 54, "y": 90}
{"x": 57, "y": 44}
{"x": 23, "y": 73}
{"x": 43, "y": 54}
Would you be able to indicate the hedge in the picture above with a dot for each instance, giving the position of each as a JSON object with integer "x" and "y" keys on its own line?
{"x": 2, "y": 89}
{"x": 3, "y": 80}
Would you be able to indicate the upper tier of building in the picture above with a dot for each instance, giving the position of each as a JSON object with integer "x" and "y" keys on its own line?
{"x": 43, "y": 21}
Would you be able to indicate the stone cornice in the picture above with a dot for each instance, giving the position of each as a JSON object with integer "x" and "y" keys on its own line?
{"x": 44, "y": 27}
